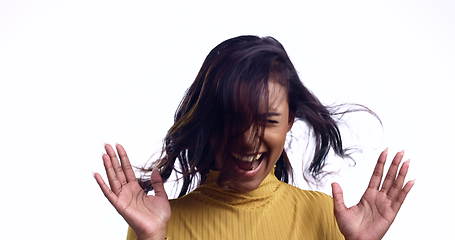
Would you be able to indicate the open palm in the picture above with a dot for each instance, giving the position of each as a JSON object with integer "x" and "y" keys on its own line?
{"x": 376, "y": 210}
{"x": 147, "y": 215}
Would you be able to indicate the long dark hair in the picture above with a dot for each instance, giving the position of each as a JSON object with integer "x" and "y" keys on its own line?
{"x": 224, "y": 101}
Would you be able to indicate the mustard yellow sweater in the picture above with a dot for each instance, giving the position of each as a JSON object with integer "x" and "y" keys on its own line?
{"x": 275, "y": 210}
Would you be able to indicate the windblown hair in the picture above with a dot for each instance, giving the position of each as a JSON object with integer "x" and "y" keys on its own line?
{"x": 227, "y": 98}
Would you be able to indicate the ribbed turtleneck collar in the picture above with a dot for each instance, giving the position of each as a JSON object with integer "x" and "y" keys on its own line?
{"x": 256, "y": 198}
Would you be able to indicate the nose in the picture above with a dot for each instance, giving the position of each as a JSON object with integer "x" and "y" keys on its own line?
{"x": 251, "y": 143}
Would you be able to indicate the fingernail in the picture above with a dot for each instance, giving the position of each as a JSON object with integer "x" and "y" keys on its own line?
{"x": 406, "y": 163}
{"x": 386, "y": 150}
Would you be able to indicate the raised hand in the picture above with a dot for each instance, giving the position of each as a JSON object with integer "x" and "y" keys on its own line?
{"x": 378, "y": 207}
{"x": 147, "y": 215}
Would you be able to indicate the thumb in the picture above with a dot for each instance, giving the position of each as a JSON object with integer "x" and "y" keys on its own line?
{"x": 338, "y": 200}
{"x": 157, "y": 184}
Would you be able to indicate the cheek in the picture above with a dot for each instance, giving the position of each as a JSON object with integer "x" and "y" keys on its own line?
{"x": 275, "y": 139}
{"x": 276, "y": 144}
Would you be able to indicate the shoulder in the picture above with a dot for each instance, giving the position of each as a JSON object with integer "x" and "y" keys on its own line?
{"x": 317, "y": 208}
{"x": 189, "y": 204}
{"x": 307, "y": 195}
{"x": 315, "y": 203}
{"x": 185, "y": 201}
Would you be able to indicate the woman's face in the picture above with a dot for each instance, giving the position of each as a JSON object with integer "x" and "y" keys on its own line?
{"x": 245, "y": 173}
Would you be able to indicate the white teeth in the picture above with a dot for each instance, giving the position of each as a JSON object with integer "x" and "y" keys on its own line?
{"x": 249, "y": 158}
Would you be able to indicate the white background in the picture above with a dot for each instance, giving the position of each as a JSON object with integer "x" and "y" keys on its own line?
{"x": 77, "y": 74}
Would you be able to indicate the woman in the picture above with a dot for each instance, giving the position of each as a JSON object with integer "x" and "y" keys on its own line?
{"x": 228, "y": 137}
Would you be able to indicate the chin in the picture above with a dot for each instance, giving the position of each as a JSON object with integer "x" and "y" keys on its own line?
{"x": 243, "y": 181}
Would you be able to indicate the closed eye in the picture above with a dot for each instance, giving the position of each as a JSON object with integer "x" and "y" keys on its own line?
{"x": 272, "y": 121}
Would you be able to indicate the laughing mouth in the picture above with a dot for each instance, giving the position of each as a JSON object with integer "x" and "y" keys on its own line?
{"x": 248, "y": 162}
{"x": 248, "y": 158}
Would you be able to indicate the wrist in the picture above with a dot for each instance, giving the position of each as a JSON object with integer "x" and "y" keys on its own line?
{"x": 158, "y": 235}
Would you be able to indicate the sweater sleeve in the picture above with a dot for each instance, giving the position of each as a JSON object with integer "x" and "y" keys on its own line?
{"x": 329, "y": 223}
{"x": 131, "y": 235}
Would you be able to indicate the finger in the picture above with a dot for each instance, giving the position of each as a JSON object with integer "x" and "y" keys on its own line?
{"x": 396, "y": 205}
{"x": 126, "y": 166}
{"x": 376, "y": 178}
{"x": 398, "y": 183}
{"x": 115, "y": 184}
{"x": 392, "y": 173}
{"x": 338, "y": 199}
{"x": 157, "y": 184}
{"x": 105, "y": 189}
{"x": 115, "y": 163}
